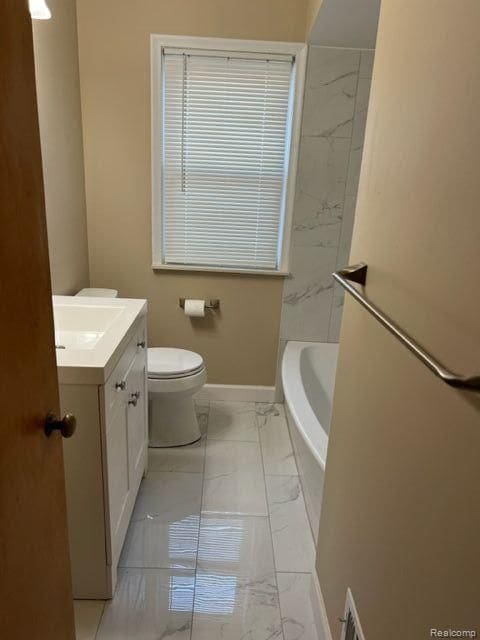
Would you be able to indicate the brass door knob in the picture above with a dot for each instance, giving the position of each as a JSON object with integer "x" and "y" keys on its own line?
{"x": 66, "y": 425}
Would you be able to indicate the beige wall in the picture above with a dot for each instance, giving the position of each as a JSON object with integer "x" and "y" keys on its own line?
{"x": 313, "y": 7}
{"x": 58, "y": 90}
{"x": 114, "y": 38}
{"x": 401, "y": 516}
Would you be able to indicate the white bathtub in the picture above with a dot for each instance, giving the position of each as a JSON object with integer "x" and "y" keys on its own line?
{"x": 308, "y": 377}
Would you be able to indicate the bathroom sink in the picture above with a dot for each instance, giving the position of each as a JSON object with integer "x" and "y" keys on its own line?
{"x": 82, "y": 326}
{"x": 90, "y": 333}
{"x": 84, "y": 317}
{"x": 77, "y": 339}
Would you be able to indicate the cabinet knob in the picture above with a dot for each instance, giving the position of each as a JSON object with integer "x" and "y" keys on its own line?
{"x": 134, "y": 398}
{"x": 121, "y": 386}
{"x": 141, "y": 344}
{"x": 66, "y": 425}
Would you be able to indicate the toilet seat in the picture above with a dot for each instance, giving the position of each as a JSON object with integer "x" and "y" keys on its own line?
{"x": 169, "y": 364}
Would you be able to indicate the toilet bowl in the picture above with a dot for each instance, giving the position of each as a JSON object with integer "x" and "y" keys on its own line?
{"x": 174, "y": 376}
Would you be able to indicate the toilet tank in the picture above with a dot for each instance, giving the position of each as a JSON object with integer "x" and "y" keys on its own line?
{"x": 98, "y": 293}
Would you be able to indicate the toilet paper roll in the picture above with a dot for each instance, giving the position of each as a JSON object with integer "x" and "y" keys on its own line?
{"x": 195, "y": 308}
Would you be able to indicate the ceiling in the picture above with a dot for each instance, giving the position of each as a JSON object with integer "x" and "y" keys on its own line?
{"x": 346, "y": 23}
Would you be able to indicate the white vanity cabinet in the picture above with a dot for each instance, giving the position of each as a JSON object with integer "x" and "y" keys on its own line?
{"x": 104, "y": 464}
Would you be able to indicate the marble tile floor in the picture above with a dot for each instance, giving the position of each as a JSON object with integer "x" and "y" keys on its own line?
{"x": 219, "y": 546}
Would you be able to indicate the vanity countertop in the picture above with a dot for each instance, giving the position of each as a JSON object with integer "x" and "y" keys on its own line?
{"x": 91, "y": 334}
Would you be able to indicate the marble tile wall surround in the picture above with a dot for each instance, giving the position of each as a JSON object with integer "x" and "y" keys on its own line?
{"x": 358, "y": 135}
{"x": 334, "y": 115}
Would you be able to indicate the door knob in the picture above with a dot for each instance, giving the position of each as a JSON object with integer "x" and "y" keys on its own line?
{"x": 141, "y": 344}
{"x": 66, "y": 425}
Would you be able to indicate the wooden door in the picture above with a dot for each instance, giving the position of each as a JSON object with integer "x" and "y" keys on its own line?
{"x": 35, "y": 584}
{"x": 401, "y": 510}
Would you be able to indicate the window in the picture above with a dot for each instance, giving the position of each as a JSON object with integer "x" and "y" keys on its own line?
{"x": 225, "y": 116}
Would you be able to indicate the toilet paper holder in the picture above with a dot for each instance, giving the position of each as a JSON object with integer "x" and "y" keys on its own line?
{"x": 214, "y": 303}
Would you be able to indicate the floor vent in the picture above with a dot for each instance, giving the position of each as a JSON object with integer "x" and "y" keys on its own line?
{"x": 352, "y": 629}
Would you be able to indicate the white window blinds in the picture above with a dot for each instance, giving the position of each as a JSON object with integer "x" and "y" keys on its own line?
{"x": 226, "y": 121}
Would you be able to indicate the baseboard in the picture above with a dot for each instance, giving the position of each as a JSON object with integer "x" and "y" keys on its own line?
{"x": 278, "y": 395}
{"x": 319, "y": 610}
{"x": 236, "y": 393}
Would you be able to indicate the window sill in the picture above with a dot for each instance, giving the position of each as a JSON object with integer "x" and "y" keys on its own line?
{"x": 226, "y": 270}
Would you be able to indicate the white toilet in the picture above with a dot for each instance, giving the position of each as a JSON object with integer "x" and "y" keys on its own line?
{"x": 174, "y": 376}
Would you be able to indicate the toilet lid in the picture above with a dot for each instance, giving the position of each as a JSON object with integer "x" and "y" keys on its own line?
{"x": 172, "y": 363}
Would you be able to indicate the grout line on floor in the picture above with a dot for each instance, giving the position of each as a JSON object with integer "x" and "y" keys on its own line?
{"x": 298, "y": 478}
{"x": 233, "y": 440}
{"x": 199, "y": 520}
{"x": 270, "y": 527}
{"x": 294, "y": 573}
{"x": 99, "y": 621}
{"x": 144, "y": 568}
{"x": 282, "y": 475}
{"x": 194, "y": 473}
{"x": 235, "y": 513}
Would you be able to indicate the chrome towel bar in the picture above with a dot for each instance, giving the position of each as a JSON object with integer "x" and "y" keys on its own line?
{"x": 358, "y": 273}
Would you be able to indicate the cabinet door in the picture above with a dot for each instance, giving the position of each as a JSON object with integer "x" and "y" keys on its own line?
{"x": 137, "y": 418}
{"x": 117, "y": 465}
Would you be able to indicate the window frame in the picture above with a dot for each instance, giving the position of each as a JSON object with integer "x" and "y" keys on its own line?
{"x": 297, "y": 49}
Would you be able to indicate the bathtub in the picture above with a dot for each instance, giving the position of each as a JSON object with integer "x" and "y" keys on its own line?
{"x": 308, "y": 378}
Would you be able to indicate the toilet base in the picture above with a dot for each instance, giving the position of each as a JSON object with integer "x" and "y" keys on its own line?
{"x": 173, "y": 422}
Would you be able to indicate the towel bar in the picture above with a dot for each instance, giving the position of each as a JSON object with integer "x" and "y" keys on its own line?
{"x": 358, "y": 273}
